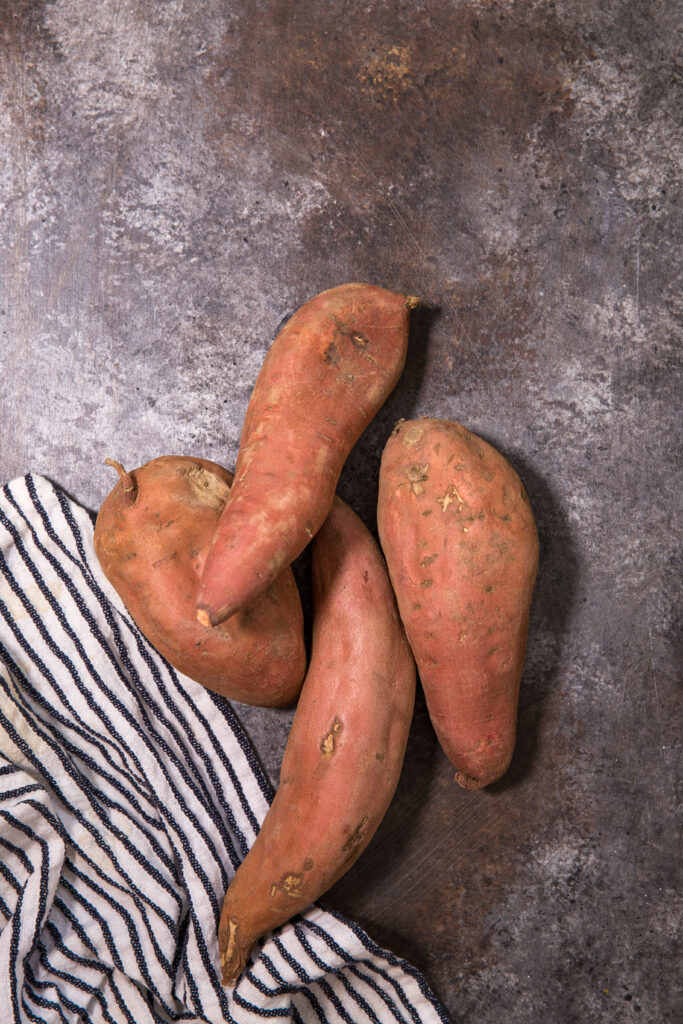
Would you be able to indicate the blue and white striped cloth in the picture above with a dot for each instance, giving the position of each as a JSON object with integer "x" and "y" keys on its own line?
{"x": 128, "y": 796}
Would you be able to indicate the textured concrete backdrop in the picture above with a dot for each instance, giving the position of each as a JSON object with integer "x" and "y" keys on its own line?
{"x": 176, "y": 177}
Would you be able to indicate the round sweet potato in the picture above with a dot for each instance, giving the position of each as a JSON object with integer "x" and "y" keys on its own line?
{"x": 460, "y": 542}
{"x": 346, "y": 746}
{"x": 151, "y": 538}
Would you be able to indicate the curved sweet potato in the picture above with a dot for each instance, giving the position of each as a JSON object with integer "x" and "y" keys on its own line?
{"x": 324, "y": 377}
{"x": 151, "y": 538}
{"x": 460, "y": 542}
{"x": 346, "y": 747}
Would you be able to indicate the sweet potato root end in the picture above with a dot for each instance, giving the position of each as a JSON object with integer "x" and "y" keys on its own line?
{"x": 486, "y": 778}
{"x": 209, "y": 619}
{"x": 128, "y": 484}
{"x": 469, "y": 782}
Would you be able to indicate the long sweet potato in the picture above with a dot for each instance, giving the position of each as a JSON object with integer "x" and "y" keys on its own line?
{"x": 151, "y": 538}
{"x": 460, "y": 542}
{"x": 346, "y": 746}
{"x": 324, "y": 377}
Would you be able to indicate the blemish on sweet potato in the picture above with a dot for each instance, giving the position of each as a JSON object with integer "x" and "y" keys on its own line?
{"x": 356, "y": 838}
{"x": 204, "y": 487}
{"x": 165, "y": 558}
{"x": 449, "y": 498}
{"x": 289, "y": 885}
{"x": 327, "y": 742}
{"x": 233, "y": 929}
{"x": 411, "y": 436}
{"x": 331, "y": 354}
{"x": 416, "y": 475}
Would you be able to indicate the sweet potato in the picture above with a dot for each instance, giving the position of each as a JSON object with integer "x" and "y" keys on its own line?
{"x": 460, "y": 542}
{"x": 346, "y": 746}
{"x": 324, "y": 377}
{"x": 151, "y": 538}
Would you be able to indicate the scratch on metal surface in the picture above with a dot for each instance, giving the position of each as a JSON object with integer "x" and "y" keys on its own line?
{"x": 638, "y": 275}
{"x": 662, "y": 745}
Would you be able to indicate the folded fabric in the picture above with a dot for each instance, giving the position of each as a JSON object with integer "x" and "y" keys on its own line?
{"x": 128, "y": 796}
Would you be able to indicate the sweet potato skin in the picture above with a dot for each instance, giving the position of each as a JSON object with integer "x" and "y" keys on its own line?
{"x": 324, "y": 377}
{"x": 151, "y": 538}
{"x": 460, "y": 541}
{"x": 346, "y": 747}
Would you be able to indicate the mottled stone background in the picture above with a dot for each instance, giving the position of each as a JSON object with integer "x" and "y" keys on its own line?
{"x": 176, "y": 176}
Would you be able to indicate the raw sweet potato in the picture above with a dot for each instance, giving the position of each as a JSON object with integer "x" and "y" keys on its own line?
{"x": 460, "y": 542}
{"x": 324, "y": 377}
{"x": 151, "y": 538}
{"x": 346, "y": 746}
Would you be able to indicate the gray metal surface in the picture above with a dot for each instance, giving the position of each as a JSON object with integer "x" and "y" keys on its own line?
{"x": 176, "y": 177}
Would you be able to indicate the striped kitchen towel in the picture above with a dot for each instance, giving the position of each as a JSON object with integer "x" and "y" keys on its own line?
{"x": 128, "y": 796}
